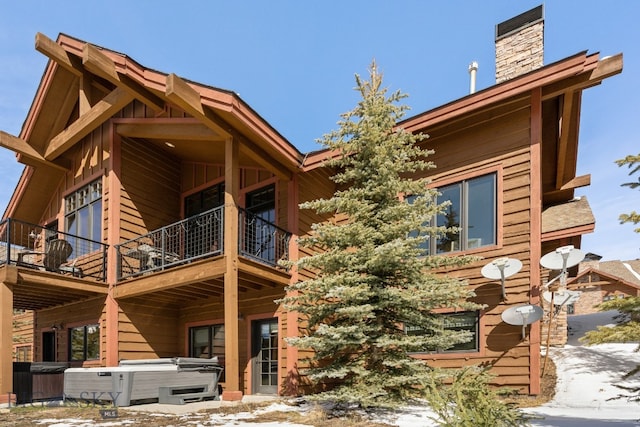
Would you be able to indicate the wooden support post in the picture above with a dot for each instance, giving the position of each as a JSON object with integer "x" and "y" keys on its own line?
{"x": 232, "y": 391}
{"x": 535, "y": 235}
{"x": 111, "y": 330}
{"x": 6, "y": 342}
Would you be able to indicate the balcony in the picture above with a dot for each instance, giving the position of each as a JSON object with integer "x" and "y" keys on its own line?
{"x": 35, "y": 247}
{"x": 199, "y": 237}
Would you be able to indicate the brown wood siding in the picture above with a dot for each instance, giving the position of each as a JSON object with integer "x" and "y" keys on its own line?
{"x": 23, "y": 333}
{"x": 147, "y": 330}
{"x": 501, "y": 142}
{"x": 70, "y": 315}
{"x": 312, "y": 186}
{"x": 150, "y": 189}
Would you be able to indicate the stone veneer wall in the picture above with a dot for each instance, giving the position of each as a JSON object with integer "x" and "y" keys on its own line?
{"x": 558, "y": 330}
{"x": 520, "y": 52}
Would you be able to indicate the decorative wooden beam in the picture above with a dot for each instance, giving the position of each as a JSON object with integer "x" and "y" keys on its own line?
{"x": 578, "y": 181}
{"x": 165, "y": 128}
{"x": 56, "y": 53}
{"x": 102, "y": 111}
{"x": 568, "y": 142}
{"x": 101, "y": 65}
{"x": 84, "y": 94}
{"x": 605, "y": 68}
{"x": 22, "y": 147}
{"x": 184, "y": 96}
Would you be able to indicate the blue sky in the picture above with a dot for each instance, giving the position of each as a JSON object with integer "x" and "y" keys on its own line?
{"x": 294, "y": 63}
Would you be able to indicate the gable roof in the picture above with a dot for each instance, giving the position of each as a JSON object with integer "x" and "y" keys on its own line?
{"x": 571, "y": 74}
{"x": 59, "y": 116}
{"x": 624, "y": 272}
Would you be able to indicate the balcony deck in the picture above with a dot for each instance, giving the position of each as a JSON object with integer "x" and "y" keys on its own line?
{"x": 49, "y": 267}
{"x": 180, "y": 261}
{"x": 201, "y": 237}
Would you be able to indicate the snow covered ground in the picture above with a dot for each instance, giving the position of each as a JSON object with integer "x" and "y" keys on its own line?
{"x": 586, "y": 378}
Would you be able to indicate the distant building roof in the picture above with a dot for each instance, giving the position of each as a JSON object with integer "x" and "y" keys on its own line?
{"x": 622, "y": 269}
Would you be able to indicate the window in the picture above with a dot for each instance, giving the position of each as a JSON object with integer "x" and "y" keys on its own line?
{"x": 204, "y": 200}
{"x": 259, "y": 225}
{"x": 203, "y": 233}
{"x": 23, "y": 353}
{"x": 465, "y": 321}
{"x": 472, "y": 210}
{"x": 83, "y": 218}
{"x": 207, "y": 342}
{"x": 84, "y": 343}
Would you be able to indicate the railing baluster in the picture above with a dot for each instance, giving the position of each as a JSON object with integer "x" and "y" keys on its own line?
{"x": 198, "y": 237}
{"x": 32, "y": 246}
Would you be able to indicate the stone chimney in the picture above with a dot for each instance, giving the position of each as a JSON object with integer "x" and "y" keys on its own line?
{"x": 519, "y": 44}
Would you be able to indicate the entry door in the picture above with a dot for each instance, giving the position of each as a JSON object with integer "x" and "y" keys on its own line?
{"x": 264, "y": 351}
{"x": 49, "y": 346}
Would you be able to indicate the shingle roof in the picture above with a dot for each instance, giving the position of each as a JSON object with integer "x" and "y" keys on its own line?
{"x": 618, "y": 269}
{"x": 574, "y": 213}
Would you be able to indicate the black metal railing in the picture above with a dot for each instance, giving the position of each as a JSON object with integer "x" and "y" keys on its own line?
{"x": 261, "y": 240}
{"x": 197, "y": 237}
{"x": 33, "y": 246}
{"x": 188, "y": 240}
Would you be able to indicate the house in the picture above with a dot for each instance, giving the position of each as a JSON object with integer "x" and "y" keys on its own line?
{"x": 600, "y": 281}
{"x": 592, "y": 283}
{"x": 152, "y": 212}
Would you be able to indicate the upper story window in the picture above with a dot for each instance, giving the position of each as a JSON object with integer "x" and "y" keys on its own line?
{"x": 84, "y": 343}
{"x": 472, "y": 209}
{"x": 202, "y": 201}
{"x": 260, "y": 237}
{"x": 83, "y": 217}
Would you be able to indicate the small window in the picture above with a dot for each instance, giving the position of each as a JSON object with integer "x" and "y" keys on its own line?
{"x": 84, "y": 343}
{"x": 465, "y": 321}
{"x": 207, "y": 342}
{"x": 23, "y": 353}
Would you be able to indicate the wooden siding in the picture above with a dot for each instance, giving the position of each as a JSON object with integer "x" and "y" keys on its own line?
{"x": 312, "y": 186}
{"x": 23, "y": 333}
{"x": 150, "y": 192}
{"x": 65, "y": 317}
{"x": 147, "y": 330}
{"x": 500, "y": 143}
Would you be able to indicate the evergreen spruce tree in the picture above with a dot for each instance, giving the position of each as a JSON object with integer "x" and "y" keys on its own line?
{"x": 633, "y": 163}
{"x": 374, "y": 276}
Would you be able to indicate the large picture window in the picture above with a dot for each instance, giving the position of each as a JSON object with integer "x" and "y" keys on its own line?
{"x": 83, "y": 218}
{"x": 472, "y": 210}
{"x": 84, "y": 343}
{"x": 465, "y": 321}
